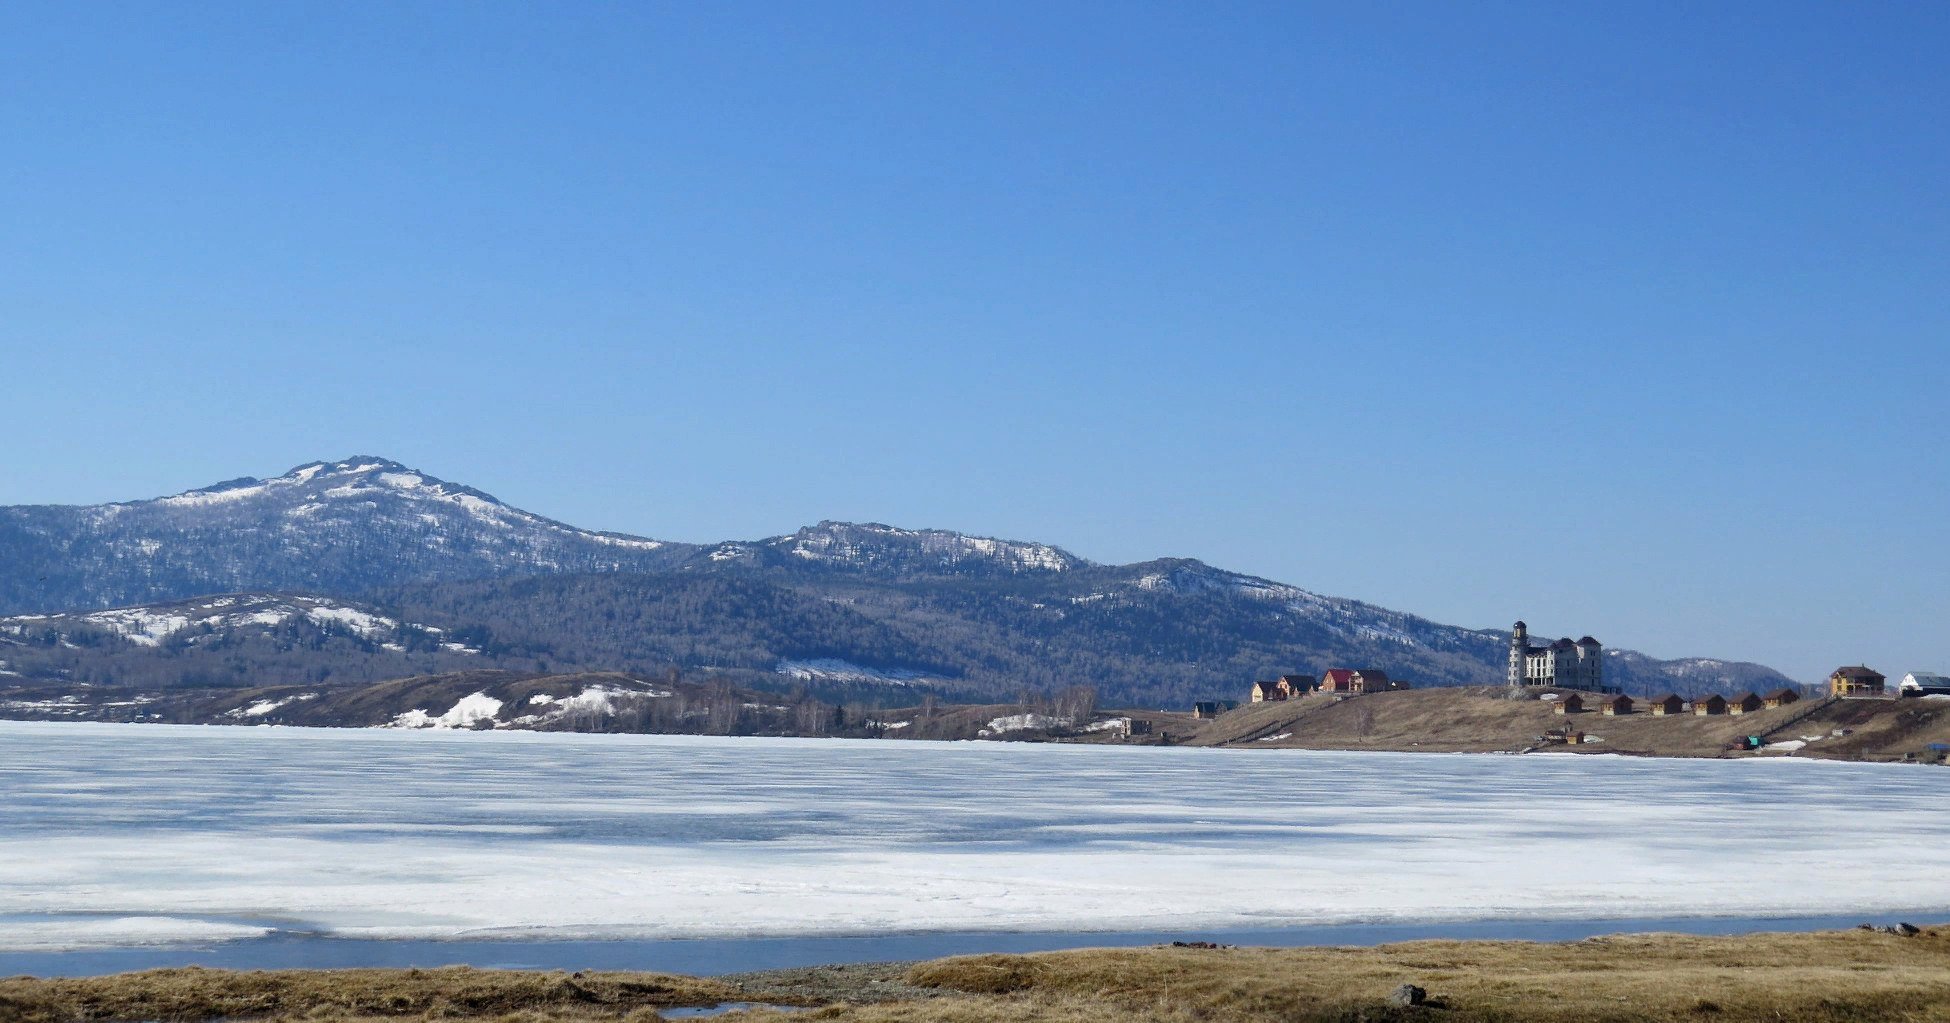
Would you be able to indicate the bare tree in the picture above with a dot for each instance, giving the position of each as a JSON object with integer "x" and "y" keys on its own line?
{"x": 1078, "y": 704}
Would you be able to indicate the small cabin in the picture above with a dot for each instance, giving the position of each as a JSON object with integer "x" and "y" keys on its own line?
{"x": 1666, "y": 704}
{"x": 1615, "y": 706}
{"x": 1745, "y": 703}
{"x": 1337, "y": 680}
{"x": 1572, "y": 704}
{"x": 1715, "y": 704}
{"x": 1573, "y": 738}
{"x": 1856, "y": 681}
{"x": 1205, "y": 710}
{"x": 1780, "y": 698}
{"x": 1264, "y": 692}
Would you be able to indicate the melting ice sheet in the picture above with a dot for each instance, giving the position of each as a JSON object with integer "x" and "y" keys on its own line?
{"x": 117, "y": 835}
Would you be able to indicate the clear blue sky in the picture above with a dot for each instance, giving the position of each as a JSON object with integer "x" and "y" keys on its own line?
{"x": 1629, "y": 319}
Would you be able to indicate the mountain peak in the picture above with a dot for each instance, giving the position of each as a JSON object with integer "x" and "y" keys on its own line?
{"x": 355, "y": 465}
{"x": 345, "y": 526}
{"x": 345, "y": 478}
{"x": 876, "y": 544}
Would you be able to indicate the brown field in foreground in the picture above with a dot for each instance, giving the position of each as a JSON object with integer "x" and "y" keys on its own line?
{"x": 458, "y": 993}
{"x": 1833, "y": 977}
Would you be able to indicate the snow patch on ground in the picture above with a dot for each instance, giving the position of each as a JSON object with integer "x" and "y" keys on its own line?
{"x": 832, "y": 669}
{"x": 1023, "y": 722}
{"x": 599, "y": 699}
{"x": 65, "y": 704}
{"x": 362, "y": 622}
{"x": 263, "y": 707}
{"x": 140, "y": 626}
{"x": 472, "y": 708}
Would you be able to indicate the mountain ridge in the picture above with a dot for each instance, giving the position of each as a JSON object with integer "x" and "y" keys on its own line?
{"x": 976, "y": 615}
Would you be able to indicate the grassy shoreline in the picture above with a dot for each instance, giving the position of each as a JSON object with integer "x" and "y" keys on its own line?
{"x": 1833, "y": 976}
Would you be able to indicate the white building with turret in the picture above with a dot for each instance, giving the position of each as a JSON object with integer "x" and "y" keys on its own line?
{"x": 1579, "y": 665}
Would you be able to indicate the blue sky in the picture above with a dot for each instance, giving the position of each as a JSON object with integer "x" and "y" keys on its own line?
{"x": 1625, "y": 319}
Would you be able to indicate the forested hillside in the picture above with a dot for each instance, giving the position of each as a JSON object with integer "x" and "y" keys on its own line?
{"x": 364, "y": 569}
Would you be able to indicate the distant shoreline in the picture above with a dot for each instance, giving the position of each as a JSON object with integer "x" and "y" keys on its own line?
{"x": 1437, "y": 720}
{"x": 1893, "y": 973}
{"x": 718, "y": 956}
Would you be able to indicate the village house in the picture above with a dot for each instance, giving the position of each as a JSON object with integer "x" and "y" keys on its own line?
{"x": 1780, "y": 698}
{"x": 1370, "y": 680}
{"x": 1745, "y": 703}
{"x": 1856, "y": 681}
{"x": 1923, "y": 683}
{"x": 1666, "y": 704}
{"x": 1205, "y": 710}
{"x": 1298, "y": 685}
{"x": 1715, "y": 704}
{"x": 1572, "y": 704}
{"x": 1337, "y": 680}
{"x": 1286, "y": 687}
{"x": 1615, "y": 706}
{"x": 1357, "y": 680}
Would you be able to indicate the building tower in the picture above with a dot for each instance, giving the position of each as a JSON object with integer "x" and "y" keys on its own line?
{"x": 1519, "y": 646}
{"x": 1591, "y": 664}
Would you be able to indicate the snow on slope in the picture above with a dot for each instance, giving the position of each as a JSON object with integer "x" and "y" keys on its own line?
{"x": 152, "y": 626}
{"x": 872, "y": 543}
{"x": 345, "y": 527}
{"x": 831, "y": 669}
{"x": 1350, "y": 618}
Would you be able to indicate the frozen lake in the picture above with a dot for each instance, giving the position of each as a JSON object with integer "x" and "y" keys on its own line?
{"x": 118, "y": 836}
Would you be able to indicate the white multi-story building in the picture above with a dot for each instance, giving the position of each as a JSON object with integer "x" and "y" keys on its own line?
{"x": 1579, "y": 665}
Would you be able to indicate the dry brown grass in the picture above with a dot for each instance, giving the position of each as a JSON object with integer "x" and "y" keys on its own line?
{"x": 1835, "y": 977}
{"x": 1828, "y": 978}
{"x": 197, "y": 995}
{"x": 1479, "y": 719}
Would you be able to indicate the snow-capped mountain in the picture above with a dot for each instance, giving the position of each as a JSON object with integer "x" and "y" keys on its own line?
{"x": 871, "y": 547}
{"x": 336, "y": 528}
{"x": 402, "y": 572}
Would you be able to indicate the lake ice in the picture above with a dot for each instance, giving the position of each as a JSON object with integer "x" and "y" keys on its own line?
{"x": 122, "y": 835}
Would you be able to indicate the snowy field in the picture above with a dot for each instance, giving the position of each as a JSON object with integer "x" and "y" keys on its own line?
{"x": 125, "y": 835}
